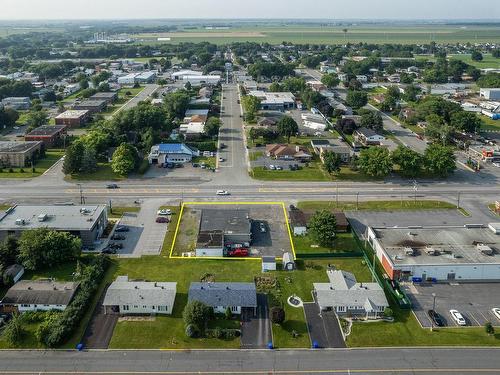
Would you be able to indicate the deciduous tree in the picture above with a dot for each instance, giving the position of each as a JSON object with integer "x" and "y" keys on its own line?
{"x": 322, "y": 226}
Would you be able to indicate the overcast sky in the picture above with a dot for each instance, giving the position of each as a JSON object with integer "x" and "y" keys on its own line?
{"x": 332, "y": 9}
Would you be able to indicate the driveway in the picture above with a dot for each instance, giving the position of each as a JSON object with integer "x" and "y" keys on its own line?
{"x": 256, "y": 329}
{"x": 100, "y": 328}
{"x": 324, "y": 327}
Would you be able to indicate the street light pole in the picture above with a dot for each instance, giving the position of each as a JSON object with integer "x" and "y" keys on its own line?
{"x": 433, "y": 309}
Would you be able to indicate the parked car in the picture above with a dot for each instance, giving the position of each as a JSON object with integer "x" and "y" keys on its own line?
{"x": 272, "y": 167}
{"x": 436, "y": 318}
{"x": 112, "y": 186}
{"x": 162, "y": 219}
{"x": 108, "y": 250}
{"x": 122, "y": 228}
{"x": 279, "y": 168}
{"x": 165, "y": 212}
{"x": 118, "y": 237}
{"x": 115, "y": 245}
{"x": 496, "y": 312}
{"x": 238, "y": 253}
{"x": 203, "y": 166}
{"x": 458, "y": 318}
{"x": 222, "y": 192}
{"x": 222, "y": 146}
{"x": 221, "y": 160}
{"x": 495, "y": 164}
{"x": 195, "y": 165}
{"x": 262, "y": 227}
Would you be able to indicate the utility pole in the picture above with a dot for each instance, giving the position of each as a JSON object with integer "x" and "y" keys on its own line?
{"x": 458, "y": 200}
{"x": 82, "y": 198}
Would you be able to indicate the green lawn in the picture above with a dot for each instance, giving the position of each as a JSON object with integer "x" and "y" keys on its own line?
{"x": 117, "y": 211}
{"x": 377, "y": 205}
{"x": 489, "y": 124}
{"x": 256, "y": 155}
{"x": 344, "y": 243}
{"x": 300, "y": 282}
{"x": 488, "y": 61}
{"x": 169, "y": 236}
{"x": 406, "y": 331}
{"x": 208, "y": 161}
{"x": 313, "y": 172}
{"x": 51, "y": 157}
{"x": 103, "y": 173}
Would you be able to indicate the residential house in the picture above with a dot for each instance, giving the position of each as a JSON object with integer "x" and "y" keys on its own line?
{"x": 38, "y": 295}
{"x": 368, "y": 137}
{"x": 316, "y": 85}
{"x": 172, "y": 153}
{"x": 17, "y": 103}
{"x": 320, "y": 146}
{"x": 50, "y": 135}
{"x": 344, "y": 295}
{"x": 220, "y": 296}
{"x": 299, "y": 221}
{"x": 140, "y": 297}
{"x": 19, "y": 154}
{"x": 268, "y": 122}
{"x": 287, "y": 152}
{"x": 73, "y": 118}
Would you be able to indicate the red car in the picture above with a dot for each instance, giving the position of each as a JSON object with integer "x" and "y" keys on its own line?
{"x": 162, "y": 219}
{"x": 241, "y": 252}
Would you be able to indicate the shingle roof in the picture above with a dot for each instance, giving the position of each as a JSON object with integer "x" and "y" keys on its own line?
{"x": 124, "y": 292}
{"x": 40, "y": 293}
{"x": 224, "y": 294}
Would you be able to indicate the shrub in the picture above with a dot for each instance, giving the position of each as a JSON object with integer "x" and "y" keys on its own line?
{"x": 21, "y": 170}
{"x": 488, "y": 327}
{"x": 388, "y": 313}
{"x": 277, "y": 315}
{"x": 11, "y": 170}
{"x": 218, "y": 333}
{"x": 197, "y": 313}
{"x": 228, "y": 314}
{"x": 14, "y": 331}
{"x": 192, "y": 331}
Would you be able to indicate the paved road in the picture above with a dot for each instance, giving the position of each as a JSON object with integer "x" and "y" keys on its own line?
{"x": 367, "y": 361}
{"x": 233, "y": 171}
{"x": 149, "y": 89}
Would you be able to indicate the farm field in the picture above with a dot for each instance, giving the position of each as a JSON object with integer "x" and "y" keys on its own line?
{"x": 331, "y": 35}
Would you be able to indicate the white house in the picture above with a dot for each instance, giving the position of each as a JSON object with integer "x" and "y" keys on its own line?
{"x": 140, "y": 297}
{"x": 368, "y": 137}
{"x": 220, "y": 296}
{"x": 344, "y": 295}
{"x": 38, "y": 295}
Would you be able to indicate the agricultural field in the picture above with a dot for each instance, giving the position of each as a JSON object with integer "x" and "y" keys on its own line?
{"x": 331, "y": 35}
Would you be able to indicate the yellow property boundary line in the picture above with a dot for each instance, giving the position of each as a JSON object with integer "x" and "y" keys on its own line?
{"x": 282, "y": 204}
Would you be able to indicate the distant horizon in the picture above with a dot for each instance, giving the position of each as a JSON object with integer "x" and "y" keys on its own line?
{"x": 394, "y": 10}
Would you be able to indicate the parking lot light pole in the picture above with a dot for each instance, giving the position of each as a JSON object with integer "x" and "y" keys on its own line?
{"x": 433, "y": 309}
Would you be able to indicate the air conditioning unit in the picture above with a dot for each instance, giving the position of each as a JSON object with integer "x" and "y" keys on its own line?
{"x": 42, "y": 217}
{"x": 431, "y": 251}
{"x": 409, "y": 251}
{"x": 486, "y": 250}
{"x": 20, "y": 221}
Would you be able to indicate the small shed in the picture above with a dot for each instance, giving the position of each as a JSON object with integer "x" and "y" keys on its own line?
{"x": 13, "y": 274}
{"x": 268, "y": 263}
{"x": 288, "y": 262}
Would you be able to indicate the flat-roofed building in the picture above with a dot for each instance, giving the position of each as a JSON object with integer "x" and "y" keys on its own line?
{"x": 16, "y": 103}
{"x": 234, "y": 223}
{"x": 109, "y": 97}
{"x": 93, "y": 106}
{"x": 469, "y": 253}
{"x": 19, "y": 154}
{"x": 73, "y": 118}
{"x": 275, "y": 101}
{"x": 86, "y": 222}
{"x": 50, "y": 135}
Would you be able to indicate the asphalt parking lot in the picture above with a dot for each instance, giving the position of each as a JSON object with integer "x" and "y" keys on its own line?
{"x": 474, "y": 301}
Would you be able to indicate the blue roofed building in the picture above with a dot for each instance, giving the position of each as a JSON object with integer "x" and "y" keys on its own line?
{"x": 172, "y": 153}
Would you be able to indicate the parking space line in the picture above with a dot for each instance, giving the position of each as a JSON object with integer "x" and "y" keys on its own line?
{"x": 473, "y": 317}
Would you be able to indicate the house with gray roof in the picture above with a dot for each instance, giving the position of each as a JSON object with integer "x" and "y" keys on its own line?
{"x": 140, "y": 297}
{"x": 220, "y": 296}
{"x": 38, "y": 295}
{"x": 344, "y": 295}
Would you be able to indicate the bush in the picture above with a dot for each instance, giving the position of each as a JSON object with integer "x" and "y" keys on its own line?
{"x": 192, "y": 331}
{"x": 14, "y": 331}
{"x": 277, "y": 315}
{"x": 197, "y": 313}
{"x": 218, "y": 333}
{"x": 21, "y": 170}
{"x": 488, "y": 327}
{"x": 11, "y": 170}
{"x": 388, "y": 313}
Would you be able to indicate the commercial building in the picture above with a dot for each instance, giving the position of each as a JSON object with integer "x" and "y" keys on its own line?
{"x": 235, "y": 224}
{"x": 172, "y": 153}
{"x": 16, "y": 103}
{"x": 344, "y": 295}
{"x": 314, "y": 121}
{"x": 73, "y": 118}
{"x": 275, "y": 101}
{"x": 140, "y": 297}
{"x": 108, "y": 97}
{"x": 220, "y": 296}
{"x": 469, "y": 253}
{"x": 210, "y": 243}
{"x": 287, "y": 152}
{"x": 38, "y": 295}
{"x": 50, "y": 135}
{"x": 490, "y": 94}
{"x": 93, "y": 106}
{"x": 86, "y": 222}
{"x": 19, "y": 154}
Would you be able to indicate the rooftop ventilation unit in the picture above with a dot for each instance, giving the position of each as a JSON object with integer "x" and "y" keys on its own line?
{"x": 42, "y": 217}
{"x": 431, "y": 251}
{"x": 20, "y": 222}
{"x": 409, "y": 251}
{"x": 486, "y": 250}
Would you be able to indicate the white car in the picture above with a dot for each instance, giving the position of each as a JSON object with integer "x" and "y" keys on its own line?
{"x": 458, "y": 318}
{"x": 165, "y": 212}
{"x": 221, "y": 160}
{"x": 496, "y": 312}
{"x": 272, "y": 167}
{"x": 496, "y": 164}
{"x": 222, "y": 192}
